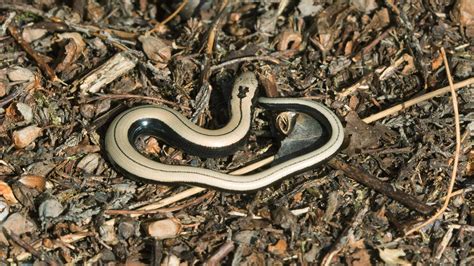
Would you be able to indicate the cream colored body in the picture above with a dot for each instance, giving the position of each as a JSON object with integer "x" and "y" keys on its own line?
{"x": 126, "y": 157}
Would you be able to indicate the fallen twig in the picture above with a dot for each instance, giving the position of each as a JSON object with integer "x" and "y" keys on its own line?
{"x": 132, "y": 96}
{"x": 28, "y": 247}
{"x": 163, "y": 210}
{"x": 64, "y": 240}
{"x": 384, "y": 188}
{"x": 424, "y": 97}
{"x": 223, "y": 251}
{"x": 170, "y": 17}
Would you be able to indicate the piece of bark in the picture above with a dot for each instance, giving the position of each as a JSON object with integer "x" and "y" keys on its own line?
{"x": 115, "y": 67}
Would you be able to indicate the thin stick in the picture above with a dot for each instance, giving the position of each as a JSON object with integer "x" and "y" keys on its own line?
{"x": 223, "y": 251}
{"x": 130, "y": 96}
{"x": 244, "y": 59}
{"x": 163, "y": 210}
{"x": 417, "y": 100}
{"x": 386, "y": 189}
{"x": 196, "y": 190}
{"x": 170, "y": 17}
{"x": 456, "y": 153}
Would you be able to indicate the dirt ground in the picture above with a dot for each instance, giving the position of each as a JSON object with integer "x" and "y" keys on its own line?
{"x": 67, "y": 68}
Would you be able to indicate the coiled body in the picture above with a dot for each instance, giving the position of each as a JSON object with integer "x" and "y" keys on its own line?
{"x": 173, "y": 128}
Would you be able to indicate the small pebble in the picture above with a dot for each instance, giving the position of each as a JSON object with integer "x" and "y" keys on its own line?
{"x": 126, "y": 229}
{"x": 25, "y": 111}
{"x": 164, "y": 229}
{"x": 20, "y": 74}
{"x": 30, "y": 34}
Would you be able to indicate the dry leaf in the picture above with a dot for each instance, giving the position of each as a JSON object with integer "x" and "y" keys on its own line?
{"x": 34, "y": 181}
{"x": 156, "y": 49}
{"x": 152, "y": 146}
{"x": 18, "y": 224}
{"x": 362, "y": 136}
{"x": 4, "y": 210}
{"x": 279, "y": 248}
{"x": 392, "y": 256}
{"x": 7, "y": 193}
{"x": 3, "y": 83}
{"x": 289, "y": 40}
{"x": 73, "y": 49}
{"x": 380, "y": 20}
{"x": 437, "y": 62}
{"x": 25, "y": 136}
{"x": 298, "y": 197}
{"x": 95, "y": 11}
{"x": 409, "y": 68}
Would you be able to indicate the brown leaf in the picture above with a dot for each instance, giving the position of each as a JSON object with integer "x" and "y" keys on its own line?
{"x": 18, "y": 224}
{"x": 268, "y": 80}
{"x": 409, "y": 68}
{"x": 362, "y": 136}
{"x": 72, "y": 51}
{"x": 95, "y": 11}
{"x": 380, "y": 20}
{"x": 152, "y": 146}
{"x": 7, "y": 193}
{"x": 279, "y": 248}
{"x": 156, "y": 49}
{"x": 34, "y": 181}
{"x": 3, "y": 83}
{"x": 20, "y": 74}
{"x": 289, "y": 39}
{"x": 25, "y": 136}
{"x": 437, "y": 62}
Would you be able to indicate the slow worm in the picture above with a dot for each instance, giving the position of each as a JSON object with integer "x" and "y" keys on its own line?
{"x": 173, "y": 128}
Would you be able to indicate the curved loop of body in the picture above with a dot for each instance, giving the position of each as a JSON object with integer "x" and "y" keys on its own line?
{"x": 176, "y": 130}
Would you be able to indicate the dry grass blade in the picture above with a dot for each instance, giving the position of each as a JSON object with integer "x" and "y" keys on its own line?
{"x": 456, "y": 153}
{"x": 424, "y": 97}
{"x": 170, "y": 17}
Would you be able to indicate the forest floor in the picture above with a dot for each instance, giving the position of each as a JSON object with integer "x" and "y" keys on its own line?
{"x": 400, "y": 192}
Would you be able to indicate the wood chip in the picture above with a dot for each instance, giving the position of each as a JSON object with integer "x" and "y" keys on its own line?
{"x": 164, "y": 229}
{"x": 115, "y": 67}
{"x": 24, "y": 137}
